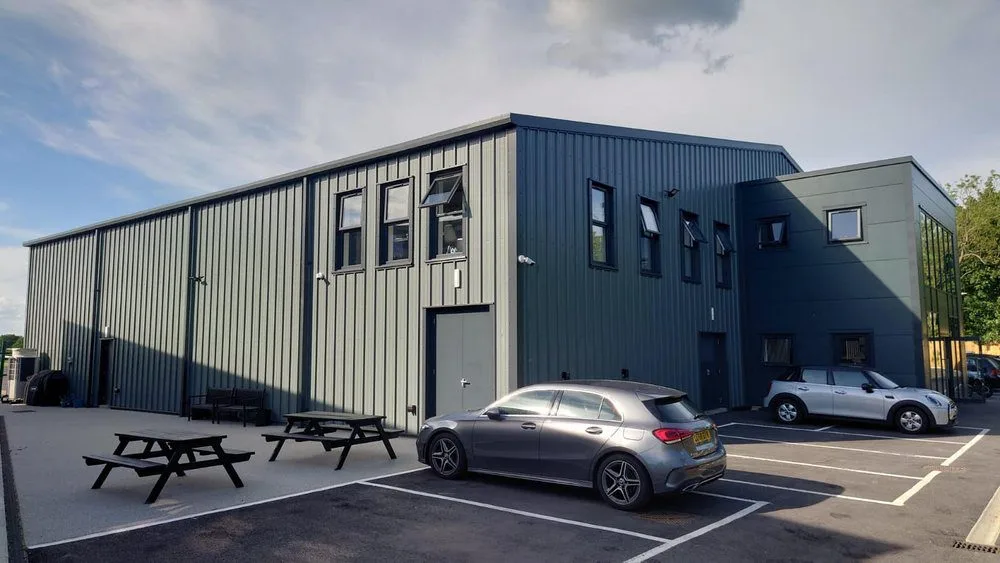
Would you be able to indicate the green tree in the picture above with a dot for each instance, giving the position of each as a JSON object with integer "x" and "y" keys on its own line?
{"x": 8, "y": 341}
{"x": 979, "y": 252}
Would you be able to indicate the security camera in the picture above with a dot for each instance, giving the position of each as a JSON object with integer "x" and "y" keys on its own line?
{"x": 522, "y": 259}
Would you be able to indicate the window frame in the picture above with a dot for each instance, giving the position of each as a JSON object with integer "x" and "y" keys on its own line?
{"x": 652, "y": 236}
{"x": 591, "y": 394}
{"x": 777, "y": 336}
{"x": 726, "y": 258}
{"x": 837, "y": 341}
{"x": 384, "y": 242}
{"x": 697, "y": 239}
{"x": 860, "y": 222}
{"x": 762, "y": 222}
{"x": 611, "y": 264}
{"x": 553, "y": 403}
{"x": 434, "y": 213}
{"x": 848, "y": 369}
{"x": 338, "y": 241}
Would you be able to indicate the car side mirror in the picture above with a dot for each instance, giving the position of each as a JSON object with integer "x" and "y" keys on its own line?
{"x": 493, "y": 414}
{"x": 868, "y": 387}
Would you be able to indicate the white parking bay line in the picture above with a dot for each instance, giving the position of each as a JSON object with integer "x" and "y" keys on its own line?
{"x": 521, "y": 512}
{"x": 901, "y": 499}
{"x": 822, "y": 466}
{"x": 987, "y": 527}
{"x": 965, "y": 448}
{"x": 829, "y": 447}
{"x": 858, "y": 434}
{"x": 699, "y": 532}
{"x": 794, "y": 490}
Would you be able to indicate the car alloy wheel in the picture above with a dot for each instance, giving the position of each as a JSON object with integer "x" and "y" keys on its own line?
{"x": 911, "y": 421}
{"x": 621, "y": 482}
{"x": 447, "y": 458}
{"x": 788, "y": 411}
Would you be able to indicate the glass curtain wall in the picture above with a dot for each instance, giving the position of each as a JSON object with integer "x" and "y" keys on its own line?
{"x": 939, "y": 297}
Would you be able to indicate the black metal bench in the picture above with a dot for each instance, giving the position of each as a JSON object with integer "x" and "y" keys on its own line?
{"x": 212, "y": 400}
{"x": 238, "y": 402}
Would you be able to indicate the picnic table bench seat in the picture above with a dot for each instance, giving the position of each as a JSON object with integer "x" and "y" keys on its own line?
{"x": 231, "y": 455}
{"x": 143, "y": 467}
{"x": 318, "y": 425}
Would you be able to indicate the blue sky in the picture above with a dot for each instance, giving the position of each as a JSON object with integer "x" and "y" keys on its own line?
{"x": 112, "y": 106}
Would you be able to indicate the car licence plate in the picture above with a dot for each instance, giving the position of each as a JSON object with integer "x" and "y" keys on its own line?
{"x": 702, "y": 438}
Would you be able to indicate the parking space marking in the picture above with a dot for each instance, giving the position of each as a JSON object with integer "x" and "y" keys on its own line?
{"x": 822, "y": 466}
{"x": 726, "y": 424}
{"x": 808, "y": 445}
{"x": 901, "y": 499}
{"x": 699, "y": 532}
{"x": 727, "y": 497}
{"x": 987, "y": 527}
{"x": 860, "y": 435}
{"x": 219, "y": 510}
{"x": 794, "y": 490}
{"x": 970, "y": 428}
{"x": 965, "y": 448}
{"x": 520, "y": 512}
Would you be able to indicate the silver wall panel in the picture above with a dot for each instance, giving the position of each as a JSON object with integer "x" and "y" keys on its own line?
{"x": 247, "y": 307}
{"x": 369, "y": 337}
{"x": 143, "y": 286}
{"x": 592, "y": 323}
{"x": 60, "y": 306}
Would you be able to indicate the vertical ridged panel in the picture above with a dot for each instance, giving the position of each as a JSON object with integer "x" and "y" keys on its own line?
{"x": 592, "y": 323}
{"x": 369, "y": 334}
{"x": 247, "y": 310}
{"x": 60, "y": 306}
{"x": 143, "y": 287}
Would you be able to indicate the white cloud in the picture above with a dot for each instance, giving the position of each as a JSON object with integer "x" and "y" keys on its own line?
{"x": 13, "y": 288}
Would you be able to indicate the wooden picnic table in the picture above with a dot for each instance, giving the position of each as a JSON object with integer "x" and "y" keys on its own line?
{"x": 173, "y": 445}
{"x": 364, "y": 428}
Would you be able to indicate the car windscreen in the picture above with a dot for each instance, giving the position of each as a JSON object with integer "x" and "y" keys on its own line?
{"x": 882, "y": 381}
{"x": 672, "y": 409}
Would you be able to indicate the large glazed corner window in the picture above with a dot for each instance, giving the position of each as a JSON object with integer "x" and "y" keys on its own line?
{"x": 649, "y": 237}
{"x": 395, "y": 233}
{"x": 723, "y": 257}
{"x": 602, "y": 226}
{"x": 777, "y": 350}
{"x": 691, "y": 241}
{"x": 772, "y": 231}
{"x": 446, "y": 200}
{"x": 350, "y": 220}
{"x": 844, "y": 225}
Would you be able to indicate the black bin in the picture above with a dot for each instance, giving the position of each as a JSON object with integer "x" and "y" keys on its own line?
{"x": 47, "y": 388}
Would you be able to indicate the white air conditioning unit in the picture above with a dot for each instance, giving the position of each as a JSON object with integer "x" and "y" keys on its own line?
{"x": 22, "y": 364}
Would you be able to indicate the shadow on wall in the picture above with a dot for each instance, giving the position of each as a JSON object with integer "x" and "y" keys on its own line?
{"x": 131, "y": 376}
{"x": 814, "y": 300}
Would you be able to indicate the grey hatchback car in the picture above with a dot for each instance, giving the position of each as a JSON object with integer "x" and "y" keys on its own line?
{"x": 629, "y": 440}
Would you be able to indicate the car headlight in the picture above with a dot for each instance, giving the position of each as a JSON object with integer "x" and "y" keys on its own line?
{"x": 934, "y": 400}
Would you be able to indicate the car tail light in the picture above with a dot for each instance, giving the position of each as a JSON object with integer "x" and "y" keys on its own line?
{"x": 671, "y": 435}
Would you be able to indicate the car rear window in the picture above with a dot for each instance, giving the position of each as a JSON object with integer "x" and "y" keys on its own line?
{"x": 672, "y": 409}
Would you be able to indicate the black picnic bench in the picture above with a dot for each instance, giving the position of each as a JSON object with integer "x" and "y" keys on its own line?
{"x": 174, "y": 446}
{"x": 363, "y": 428}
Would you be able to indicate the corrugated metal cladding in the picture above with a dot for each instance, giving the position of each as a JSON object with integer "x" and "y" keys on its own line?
{"x": 60, "y": 309}
{"x": 143, "y": 285}
{"x": 247, "y": 295}
{"x": 594, "y": 323}
{"x": 369, "y": 325}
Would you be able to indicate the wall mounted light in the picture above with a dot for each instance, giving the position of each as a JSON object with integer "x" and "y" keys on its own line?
{"x": 522, "y": 259}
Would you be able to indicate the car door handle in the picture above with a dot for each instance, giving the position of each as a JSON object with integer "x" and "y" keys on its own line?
{"x": 841, "y": 392}
{"x": 595, "y": 430}
{"x": 803, "y": 388}
{"x": 528, "y": 426}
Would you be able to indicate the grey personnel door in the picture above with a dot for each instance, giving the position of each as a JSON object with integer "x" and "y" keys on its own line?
{"x": 714, "y": 377}
{"x": 462, "y": 366}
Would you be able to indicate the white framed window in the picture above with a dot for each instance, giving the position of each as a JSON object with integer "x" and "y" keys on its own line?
{"x": 844, "y": 225}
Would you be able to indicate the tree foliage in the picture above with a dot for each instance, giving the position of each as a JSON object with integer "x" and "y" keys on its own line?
{"x": 979, "y": 252}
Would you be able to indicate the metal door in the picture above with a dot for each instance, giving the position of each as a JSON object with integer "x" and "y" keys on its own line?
{"x": 462, "y": 373}
{"x": 570, "y": 440}
{"x": 713, "y": 373}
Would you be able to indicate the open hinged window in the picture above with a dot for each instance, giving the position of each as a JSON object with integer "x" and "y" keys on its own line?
{"x": 446, "y": 200}
{"x": 444, "y": 191}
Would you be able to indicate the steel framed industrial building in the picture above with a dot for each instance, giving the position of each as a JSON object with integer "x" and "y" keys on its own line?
{"x": 427, "y": 276}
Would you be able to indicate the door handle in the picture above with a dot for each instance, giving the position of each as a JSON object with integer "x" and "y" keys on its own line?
{"x": 528, "y": 425}
{"x": 841, "y": 392}
{"x": 803, "y": 388}
{"x": 594, "y": 430}
{"x": 465, "y": 382}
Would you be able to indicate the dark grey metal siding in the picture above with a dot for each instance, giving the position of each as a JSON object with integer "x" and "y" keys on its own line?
{"x": 60, "y": 306}
{"x": 812, "y": 289}
{"x": 369, "y": 338}
{"x": 593, "y": 323}
{"x": 247, "y": 309}
{"x": 143, "y": 285}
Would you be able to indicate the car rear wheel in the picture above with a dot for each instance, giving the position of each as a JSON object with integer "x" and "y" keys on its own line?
{"x": 447, "y": 457}
{"x": 911, "y": 420}
{"x": 788, "y": 410}
{"x": 623, "y": 482}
